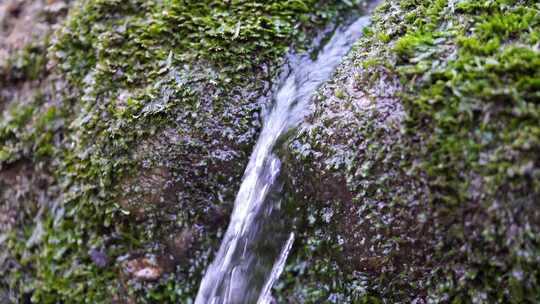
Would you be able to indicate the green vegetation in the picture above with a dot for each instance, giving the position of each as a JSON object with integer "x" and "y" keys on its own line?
{"x": 437, "y": 145}
{"x": 28, "y": 64}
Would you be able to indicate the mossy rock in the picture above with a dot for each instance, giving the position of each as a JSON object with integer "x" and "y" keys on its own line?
{"x": 421, "y": 157}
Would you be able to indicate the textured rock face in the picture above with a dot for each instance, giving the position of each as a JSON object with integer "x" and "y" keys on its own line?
{"x": 422, "y": 184}
{"x": 364, "y": 216}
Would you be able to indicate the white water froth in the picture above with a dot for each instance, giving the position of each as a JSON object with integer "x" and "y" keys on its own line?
{"x": 236, "y": 274}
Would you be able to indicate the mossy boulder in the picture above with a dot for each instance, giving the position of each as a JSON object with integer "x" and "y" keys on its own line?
{"x": 421, "y": 162}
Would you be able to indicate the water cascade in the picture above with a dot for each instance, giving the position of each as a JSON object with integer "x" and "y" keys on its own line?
{"x": 256, "y": 244}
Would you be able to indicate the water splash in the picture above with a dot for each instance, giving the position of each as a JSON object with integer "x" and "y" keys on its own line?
{"x": 257, "y": 242}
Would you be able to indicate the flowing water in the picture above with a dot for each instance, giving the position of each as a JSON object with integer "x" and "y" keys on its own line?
{"x": 257, "y": 242}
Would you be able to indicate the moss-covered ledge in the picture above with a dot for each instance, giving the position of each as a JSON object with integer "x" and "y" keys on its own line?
{"x": 417, "y": 173}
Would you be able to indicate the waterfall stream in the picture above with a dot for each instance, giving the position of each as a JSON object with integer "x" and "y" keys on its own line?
{"x": 257, "y": 242}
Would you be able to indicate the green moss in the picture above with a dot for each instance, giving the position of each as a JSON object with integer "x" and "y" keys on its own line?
{"x": 26, "y": 64}
{"x": 5, "y": 154}
{"x": 409, "y": 44}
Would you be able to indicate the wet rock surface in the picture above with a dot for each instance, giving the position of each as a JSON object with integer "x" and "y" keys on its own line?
{"x": 407, "y": 199}
{"x": 363, "y": 216}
